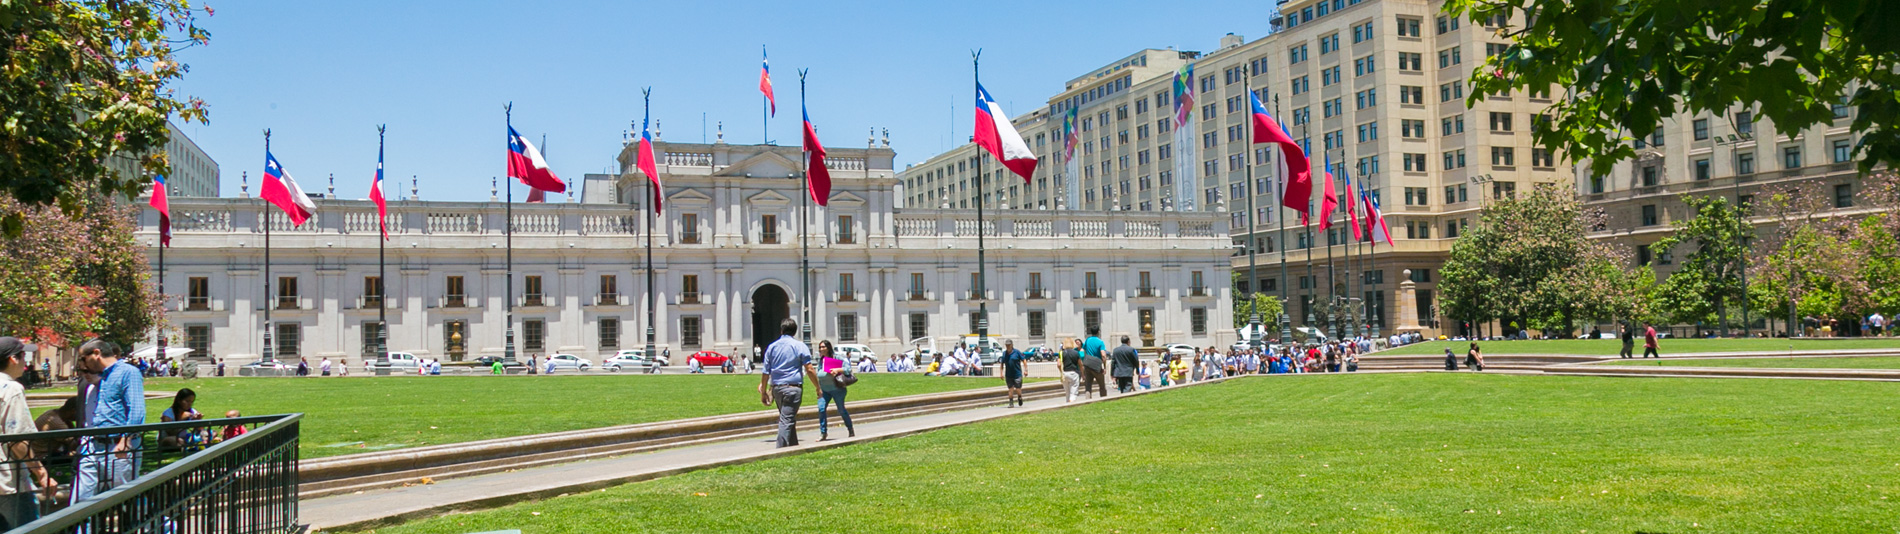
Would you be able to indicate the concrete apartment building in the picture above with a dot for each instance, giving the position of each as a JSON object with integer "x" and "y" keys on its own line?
{"x": 194, "y": 173}
{"x": 1736, "y": 154}
{"x": 1379, "y": 86}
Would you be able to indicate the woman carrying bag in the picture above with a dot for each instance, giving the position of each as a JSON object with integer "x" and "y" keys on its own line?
{"x": 833, "y": 379}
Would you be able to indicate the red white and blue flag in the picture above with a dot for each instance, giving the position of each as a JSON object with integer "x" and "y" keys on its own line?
{"x": 1352, "y": 206}
{"x": 644, "y": 160}
{"x": 163, "y": 204}
{"x": 817, "y": 177}
{"x": 376, "y": 195}
{"x": 1328, "y": 199}
{"x": 1298, "y": 190}
{"x": 996, "y": 134}
{"x": 281, "y": 190}
{"x": 1375, "y": 221}
{"x": 526, "y": 164}
{"x": 765, "y": 81}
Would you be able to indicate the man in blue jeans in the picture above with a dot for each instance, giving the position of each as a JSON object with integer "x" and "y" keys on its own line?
{"x": 119, "y": 400}
{"x": 782, "y": 381}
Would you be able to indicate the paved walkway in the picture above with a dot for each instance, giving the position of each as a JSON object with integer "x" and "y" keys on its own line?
{"x": 366, "y": 510}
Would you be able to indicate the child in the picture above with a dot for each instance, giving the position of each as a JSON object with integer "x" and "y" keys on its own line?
{"x": 232, "y": 431}
{"x": 1145, "y": 379}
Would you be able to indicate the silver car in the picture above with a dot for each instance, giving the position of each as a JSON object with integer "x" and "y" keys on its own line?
{"x": 634, "y": 359}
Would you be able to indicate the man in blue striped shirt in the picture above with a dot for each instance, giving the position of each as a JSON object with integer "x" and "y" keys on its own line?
{"x": 119, "y": 400}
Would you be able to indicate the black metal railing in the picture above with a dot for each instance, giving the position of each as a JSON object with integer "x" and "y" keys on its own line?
{"x": 226, "y": 476}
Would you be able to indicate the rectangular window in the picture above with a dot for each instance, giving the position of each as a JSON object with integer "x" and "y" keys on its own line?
{"x": 1411, "y": 94}
{"x": 1542, "y": 158}
{"x": 287, "y": 293}
{"x": 289, "y": 341}
{"x": 454, "y": 292}
{"x": 531, "y": 291}
{"x": 768, "y": 229}
{"x": 689, "y": 229}
{"x": 848, "y": 327}
{"x": 1452, "y": 125}
{"x": 1702, "y": 169}
{"x": 1037, "y": 324}
{"x": 1089, "y": 287}
{"x": 916, "y": 286}
{"x": 1091, "y": 320}
{"x": 1408, "y": 27}
{"x": 198, "y": 339}
{"x": 1791, "y": 157}
{"x": 1745, "y": 123}
{"x": 847, "y": 234}
{"x": 1146, "y": 287}
{"x": 689, "y": 289}
{"x": 1844, "y": 196}
{"x": 1701, "y": 129}
{"x": 1843, "y": 150}
{"x": 689, "y": 331}
{"x": 1649, "y": 215}
{"x": 1197, "y": 321}
{"x": 1500, "y": 122}
{"x": 1745, "y": 163}
{"x": 1503, "y": 156}
{"x": 847, "y": 287}
{"x": 1197, "y": 285}
{"x": 534, "y": 335}
{"x": 919, "y": 325}
{"x": 198, "y": 296}
{"x": 609, "y": 289}
{"x": 609, "y": 330}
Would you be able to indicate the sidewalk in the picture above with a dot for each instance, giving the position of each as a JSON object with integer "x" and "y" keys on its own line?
{"x": 365, "y": 510}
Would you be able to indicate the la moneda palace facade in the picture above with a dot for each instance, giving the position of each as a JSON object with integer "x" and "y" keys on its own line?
{"x": 725, "y": 259}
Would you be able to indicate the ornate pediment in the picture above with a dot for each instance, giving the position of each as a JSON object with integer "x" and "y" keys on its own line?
{"x": 688, "y": 196}
{"x": 762, "y": 165}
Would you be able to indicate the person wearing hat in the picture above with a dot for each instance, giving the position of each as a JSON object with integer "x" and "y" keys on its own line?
{"x": 1012, "y": 374}
{"x": 18, "y": 505}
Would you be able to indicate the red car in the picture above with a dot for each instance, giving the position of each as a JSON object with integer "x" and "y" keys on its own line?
{"x": 708, "y": 358}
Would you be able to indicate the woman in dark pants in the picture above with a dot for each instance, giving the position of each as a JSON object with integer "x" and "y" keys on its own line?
{"x": 831, "y": 367}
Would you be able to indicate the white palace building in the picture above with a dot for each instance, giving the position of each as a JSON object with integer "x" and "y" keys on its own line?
{"x": 726, "y": 267}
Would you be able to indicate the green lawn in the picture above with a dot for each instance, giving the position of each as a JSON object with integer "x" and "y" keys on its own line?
{"x": 1438, "y": 452}
{"x": 1609, "y": 347}
{"x": 347, "y": 415}
{"x": 1866, "y": 362}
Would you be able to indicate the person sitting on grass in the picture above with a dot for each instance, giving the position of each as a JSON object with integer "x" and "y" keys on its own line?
{"x": 232, "y": 431}
{"x": 181, "y": 410}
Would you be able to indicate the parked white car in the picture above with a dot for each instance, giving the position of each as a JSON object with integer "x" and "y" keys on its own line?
{"x": 569, "y": 361}
{"x": 399, "y": 361}
{"x": 1181, "y": 349}
{"x": 854, "y": 352}
{"x": 633, "y": 359}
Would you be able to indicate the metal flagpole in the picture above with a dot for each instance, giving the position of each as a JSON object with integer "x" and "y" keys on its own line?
{"x": 1332, "y": 294}
{"x": 1253, "y": 239}
{"x": 765, "y": 107}
{"x": 1306, "y": 227}
{"x": 162, "y": 353}
{"x": 269, "y": 353}
{"x": 653, "y": 195}
{"x": 1279, "y": 185}
{"x": 382, "y": 267}
{"x": 804, "y": 227}
{"x": 508, "y": 232}
{"x": 982, "y": 303}
{"x": 1372, "y": 259}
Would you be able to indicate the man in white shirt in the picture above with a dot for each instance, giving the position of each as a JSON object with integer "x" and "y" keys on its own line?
{"x": 324, "y": 366}
{"x": 18, "y": 503}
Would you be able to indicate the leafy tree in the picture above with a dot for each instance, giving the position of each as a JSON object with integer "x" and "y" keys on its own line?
{"x": 68, "y": 278}
{"x": 1268, "y": 305}
{"x": 1628, "y": 65}
{"x": 84, "y": 81}
{"x": 1878, "y": 251}
{"x": 1531, "y": 258}
{"x": 1804, "y": 266}
{"x": 1710, "y": 276}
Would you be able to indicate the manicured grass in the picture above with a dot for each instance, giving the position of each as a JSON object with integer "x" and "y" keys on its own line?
{"x": 1438, "y": 452}
{"x": 1609, "y": 347}
{"x": 1868, "y": 362}
{"x": 358, "y": 414}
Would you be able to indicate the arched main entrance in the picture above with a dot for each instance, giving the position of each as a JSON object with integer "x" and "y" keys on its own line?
{"x": 770, "y": 306}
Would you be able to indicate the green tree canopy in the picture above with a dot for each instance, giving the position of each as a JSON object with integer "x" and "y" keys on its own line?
{"x": 83, "y": 81}
{"x": 67, "y": 277}
{"x": 1627, "y": 65}
{"x": 1710, "y": 276}
{"x": 1530, "y": 258}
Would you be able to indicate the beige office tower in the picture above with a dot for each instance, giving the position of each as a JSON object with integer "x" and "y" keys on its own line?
{"x": 1379, "y": 86}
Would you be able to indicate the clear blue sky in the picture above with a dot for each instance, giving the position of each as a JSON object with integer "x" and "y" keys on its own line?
{"x": 322, "y": 75}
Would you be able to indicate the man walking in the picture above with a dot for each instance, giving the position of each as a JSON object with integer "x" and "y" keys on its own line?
{"x": 1126, "y": 360}
{"x": 119, "y": 400}
{"x": 787, "y": 366}
{"x": 1071, "y": 367}
{"x": 1629, "y": 343}
{"x": 1013, "y": 373}
{"x": 1649, "y": 342}
{"x": 1094, "y": 358}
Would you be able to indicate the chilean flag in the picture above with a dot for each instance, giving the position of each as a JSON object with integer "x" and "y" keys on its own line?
{"x": 1375, "y": 221}
{"x": 1328, "y": 199}
{"x": 765, "y": 80}
{"x": 1352, "y": 207}
{"x": 376, "y": 195}
{"x": 645, "y": 160}
{"x": 163, "y": 204}
{"x": 525, "y": 164}
{"x": 281, "y": 190}
{"x": 1298, "y": 191}
{"x": 817, "y": 177}
{"x": 995, "y": 133}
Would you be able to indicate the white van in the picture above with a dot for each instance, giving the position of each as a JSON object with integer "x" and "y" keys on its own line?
{"x": 854, "y": 353}
{"x": 399, "y": 361}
